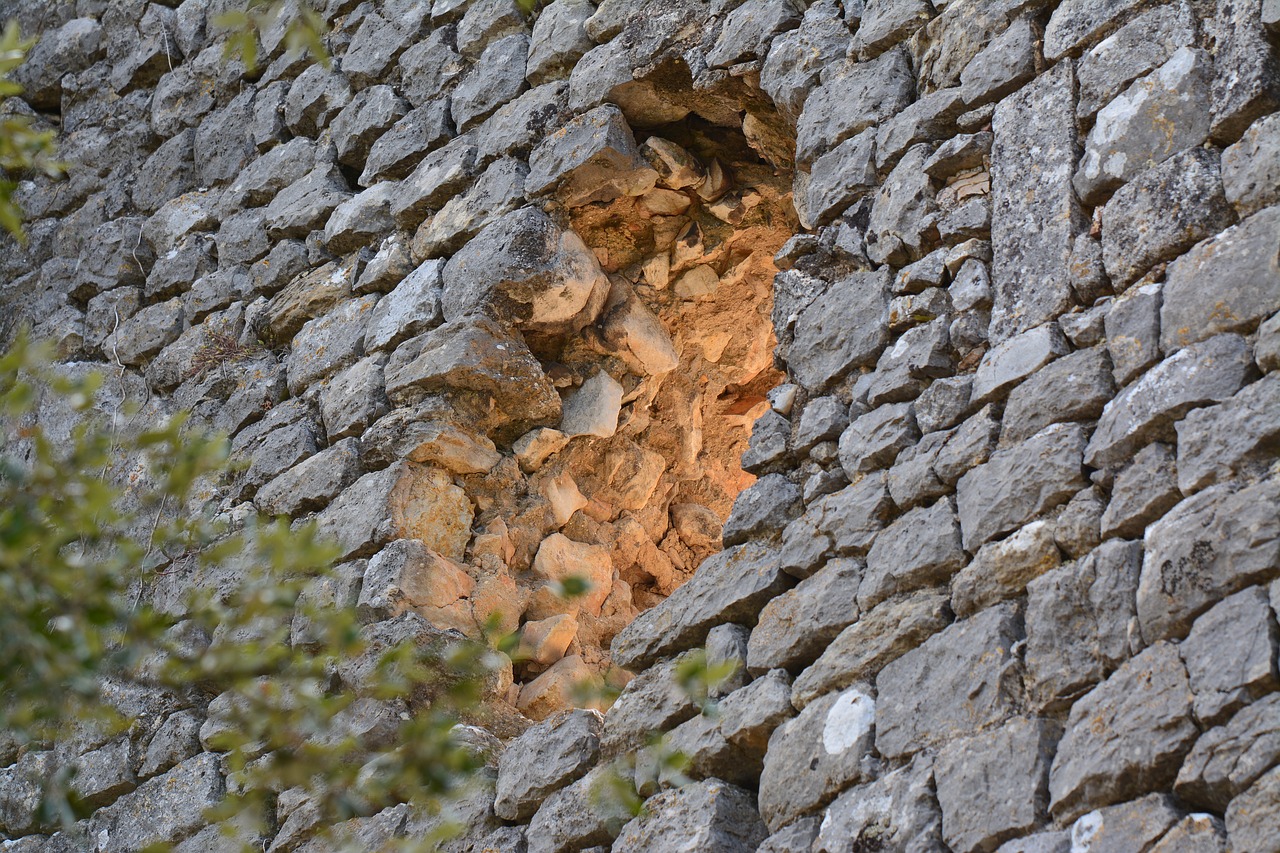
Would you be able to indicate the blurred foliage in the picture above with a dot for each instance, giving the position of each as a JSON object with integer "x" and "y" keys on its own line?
{"x": 302, "y": 28}
{"x": 23, "y": 149}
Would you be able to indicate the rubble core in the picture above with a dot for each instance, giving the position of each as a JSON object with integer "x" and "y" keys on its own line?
{"x": 918, "y": 359}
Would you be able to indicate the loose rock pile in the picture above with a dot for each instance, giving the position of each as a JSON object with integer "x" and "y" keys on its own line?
{"x": 992, "y": 286}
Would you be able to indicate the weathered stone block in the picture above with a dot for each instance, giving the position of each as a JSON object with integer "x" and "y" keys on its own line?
{"x": 712, "y": 815}
{"x": 1133, "y": 332}
{"x": 592, "y": 158}
{"x": 1075, "y": 387}
{"x": 329, "y": 343}
{"x": 1076, "y": 23}
{"x": 1235, "y": 437}
{"x": 844, "y": 328}
{"x": 919, "y": 549}
{"x": 897, "y": 809}
{"x": 579, "y": 816}
{"x": 795, "y": 627}
{"x": 545, "y": 759}
{"x": 1016, "y": 358}
{"x": 1251, "y": 167}
{"x": 856, "y": 97}
{"x": 1142, "y": 492}
{"x": 1230, "y": 655}
{"x": 1228, "y": 759}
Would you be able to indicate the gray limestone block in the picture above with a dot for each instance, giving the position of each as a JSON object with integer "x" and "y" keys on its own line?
{"x": 928, "y": 273}
{"x": 822, "y": 419}
{"x": 1246, "y": 80}
{"x": 360, "y": 220}
{"x": 544, "y": 759}
{"x": 727, "y": 644}
{"x": 147, "y": 332}
{"x": 1042, "y": 842}
{"x": 1204, "y": 373}
{"x": 912, "y": 479}
{"x": 275, "y": 170}
{"x": 1229, "y": 758}
{"x": 223, "y": 146}
{"x": 770, "y": 436}
{"x": 1236, "y": 437}
{"x": 1020, "y": 482}
{"x": 712, "y": 815}
{"x": 1253, "y": 818}
{"x": 103, "y": 775}
{"x": 169, "y": 172}
{"x": 1088, "y": 275}
{"x": 63, "y": 50}
{"x": 1139, "y": 46}
{"x": 328, "y": 343}
{"x": 181, "y": 97}
{"x": 398, "y": 150}
{"x": 929, "y": 119}
{"x": 796, "y": 837}
{"x": 352, "y": 400}
{"x": 1145, "y": 490}
{"x": 1078, "y": 23}
{"x": 1003, "y": 66}
{"x": 873, "y": 441}
{"x": 1196, "y": 833}
{"x": 1135, "y": 825}
{"x": 1016, "y": 358}
{"x": 1244, "y": 265}
{"x": 964, "y": 679}
{"x": 1078, "y": 527}
{"x": 517, "y": 127}
{"x": 526, "y": 271}
{"x": 389, "y": 266}
{"x": 839, "y": 178}
{"x": 844, "y": 328}
{"x": 1002, "y": 570}
{"x": 412, "y": 308}
{"x": 498, "y": 191}
{"x": 750, "y": 28}
{"x": 708, "y": 755}
{"x": 793, "y": 291}
{"x": 1156, "y": 117}
{"x": 884, "y": 23}
{"x": 559, "y": 40}
{"x": 656, "y": 700}
{"x": 304, "y": 206}
{"x": 878, "y": 638}
{"x": 168, "y": 806}
{"x": 278, "y": 451}
{"x": 496, "y": 78}
{"x": 805, "y": 546}
{"x": 898, "y": 810}
{"x": 833, "y": 739}
{"x": 488, "y": 21}
{"x": 1132, "y": 328}
{"x": 370, "y": 114}
{"x": 994, "y": 786}
{"x": 1075, "y": 387}
{"x": 314, "y": 482}
{"x": 1032, "y": 236}
{"x": 177, "y": 739}
{"x": 116, "y": 255}
{"x": 431, "y": 68}
{"x": 1163, "y": 212}
{"x": 317, "y": 95}
{"x": 795, "y": 628}
{"x": 1079, "y": 623}
{"x": 967, "y": 446}
{"x": 1126, "y": 737}
{"x": 1251, "y": 167}
{"x": 944, "y": 403}
{"x": 441, "y": 175}
{"x": 174, "y": 271}
{"x": 921, "y": 548}
{"x": 1231, "y": 655}
{"x": 582, "y": 815}
{"x": 731, "y": 586}
{"x": 749, "y": 715}
{"x": 922, "y": 352}
{"x": 594, "y": 157}
{"x": 904, "y": 213}
{"x": 959, "y": 154}
{"x": 1266, "y": 350}
{"x": 761, "y": 510}
{"x": 242, "y": 239}
{"x": 857, "y": 96}
{"x": 797, "y": 58}
{"x": 1086, "y": 328}
{"x": 380, "y": 40}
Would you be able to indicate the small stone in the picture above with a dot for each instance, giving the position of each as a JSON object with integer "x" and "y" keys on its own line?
{"x": 1234, "y": 437}
{"x": 1002, "y": 570}
{"x": 1142, "y": 492}
{"x": 943, "y": 404}
{"x": 795, "y": 628}
{"x": 750, "y": 714}
{"x": 1130, "y": 826}
{"x": 579, "y": 816}
{"x": 310, "y": 485}
{"x": 899, "y": 806}
{"x": 1228, "y": 759}
{"x": 1003, "y": 66}
{"x": 559, "y": 40}
{"x": 1230, "y": 655}
{"x": 1078, "y": 22}
{"x": 874, "y": 440}
{"x": 762, "y": 510}
{"x": 1075, "y": 387}
{"x": 593, "y": 408}
{"x": 536, "y": 446}
{"x": 1015, "y": 359}
{"x": 1253, "y": 821}
{"x": 1133, "y": 332}
{"x": 921, "y": 548}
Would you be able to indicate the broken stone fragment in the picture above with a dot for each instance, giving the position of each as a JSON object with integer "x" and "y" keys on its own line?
{"x": 556, "y": 689}
{"x": 407, "y": 575}
{"x": 559, "y": 559}
{"x": 593, "y": 408}
{"x": 545, "y": 641}
{"x": 592, "y": 158}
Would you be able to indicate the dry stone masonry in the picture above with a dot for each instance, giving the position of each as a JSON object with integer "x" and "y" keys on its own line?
{"x": 920, "y": 358}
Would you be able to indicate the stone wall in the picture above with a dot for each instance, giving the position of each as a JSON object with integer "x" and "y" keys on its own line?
{"x": 991, "y": 285}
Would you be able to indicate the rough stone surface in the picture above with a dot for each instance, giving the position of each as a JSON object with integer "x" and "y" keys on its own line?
{"x": 545, "y": 759}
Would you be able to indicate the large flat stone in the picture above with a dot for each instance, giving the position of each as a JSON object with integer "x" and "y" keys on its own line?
{"x": 1235, "y": 437}
{"x": 844, "y": 328}
{"x": 592, "y": 158}
{"x": 921, "y": 548}
{"x": 711, "y": 815}
{"x": 856, "y": 97}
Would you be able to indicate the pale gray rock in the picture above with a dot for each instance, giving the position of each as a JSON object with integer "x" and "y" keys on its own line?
{"x": 1163, "y": 212}
{"x": 823, "y": 419}
{"x": 874, "y": 440}
{"x": 912, "y": 479}
{"x": 654, "y": 701}
{"x": 898, "y": 810}
{"x": 922, "y": 548}
{"x": 242, "y": 240}
{"x": 727, "y": 644}
{"x": 1246, "y": 82}
{"x": 1075, "y": 387}
{"x": 60, "y": 51}
{"x": 1253, "y": 820}
{"x": 387, "y": 268}
{"x": 517, "y": 127}
{"x": 1204, "y": 373}
{"x": 731, "y": 586}
{"x": 1251, "y": 167}
{"x": 103, "y": 775}
{"x": 1126, "y": 737}
{"x": 1236, "y": 437}
{"x": 762, "y": 509}
{"x": 1230, "y": 655}
{"x": 310, "y": 485}
{"x": 1195, "y": 833}
{"x": 768, "y": 446}
{"x": 1266, "y": 350}
{"x": 857, "y": 96}
{"x": 173, "y": 272}
{"x": 1129, "y": 826}
{"x": 525, "y": 271}
{"x": 389, "y": 504}
{"x": 967, "y": 446}
{"x": 845, "y": 523}
{"x": 708, "y": 755}
{"x": 995, "y": 785}
{"x": 370, "y": 114}
{"x": 1041, "y": 842}
{"x": 1078, "y": 527}
{"x": 960, "y": 681}
{"x": 498, "y": 191}
{"x": 844, "y": 328}
{"x": 904, "y": 211}
{"x": 750, "y": 28}
{"x": 928, "y": 273}
{"x": 1020, "y": 482}
{"x": 266, "y": 176}
{"x": 929, "y": 119}
{"x": 1139, "y": 46}
{"x": 496, "y": 78}
{"x": 1156, "y": 117}
{"x": 1080, "y": 623}
{"x": 545, "y": 759}
{"x": 223, "y": 146}
{"x": 1003, "y": 66}
{"x": 1086, "y": 270}
{"x": 431, "y": 68}
{"x": 798, "y": 625}
{"x": 177, "y": 739}
{"x": 352, "y": 400}
{"x": 328, "y": 343}
{"x": 304, "y": 206}
{"x": 1002, "y": 570}
{"x": 399, "y": 150}
{"x": 884, "y": 23}
{"x": 115, "y": 256}
{"x": 839, "y": 178}
{"x": 169, "y": 806}
{"x": 1228, "y": 759}
{"x": 878, "y": 638}
{"x": 1244, "y": 264}
{"x": 559, "y": 40}
{"x": 749, "y": 715}
{"x": 412, "y": 308}
{"x": 1133, "y": 332}
{"x": 711, "y": 815}
{"x": 486, "y": 22}
{"x": 441, "y": 175}
{"x": 169, "y": 172}
{"x": 274, "y": 452}
{"x": 1032, "y": 238}
{"x": 378, "y": 42}
{"x": 360, "y": 220}
{"x": 944, "y": 403}
{"x": 833, "y": 739}
{"x": 797, "y": 837}
{"x": 1143, "y": 491}
{"x": 1086, "y": 328}
{"x": 317, "y": 95}
{"x": 142, "y": 336}
{"x": 1076, "y": 23}
{"x": 922, "y": 353}
{"x": 1016, "y": 358}
{"x": 797, "y": 58}
{"x": 592, "y": 158}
